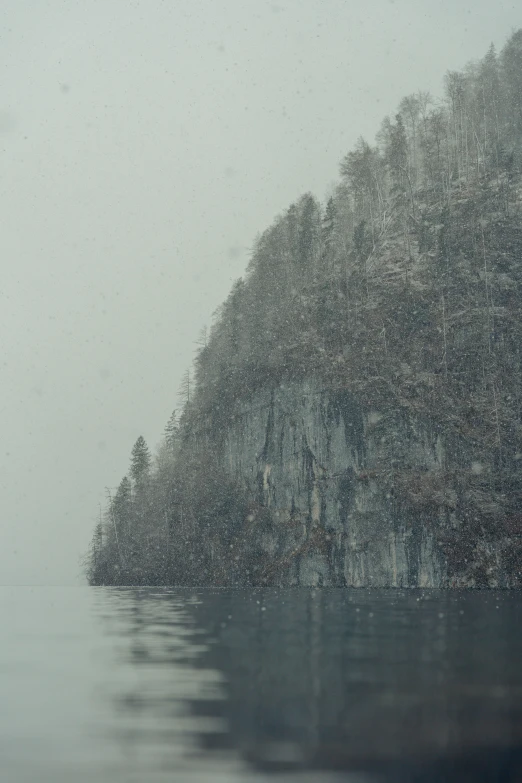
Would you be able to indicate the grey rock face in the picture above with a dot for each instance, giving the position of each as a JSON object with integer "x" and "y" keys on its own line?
{"x": 320, "y": 465}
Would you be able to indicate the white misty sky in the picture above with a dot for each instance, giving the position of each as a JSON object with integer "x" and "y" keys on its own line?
{"x": 142, "y": 147}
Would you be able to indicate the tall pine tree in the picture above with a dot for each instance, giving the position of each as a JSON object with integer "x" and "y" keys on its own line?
{"x": 172, "y": 432}
{"x": 140, "y": 460}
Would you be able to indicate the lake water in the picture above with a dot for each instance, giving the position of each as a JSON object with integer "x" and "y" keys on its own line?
{"x": 147, "y": 685}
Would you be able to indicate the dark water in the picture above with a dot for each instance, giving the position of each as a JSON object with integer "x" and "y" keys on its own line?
{"x": 141, "y": 685}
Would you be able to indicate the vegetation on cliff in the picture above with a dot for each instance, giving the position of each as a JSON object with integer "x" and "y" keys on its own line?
{"x": 405, "y": 288}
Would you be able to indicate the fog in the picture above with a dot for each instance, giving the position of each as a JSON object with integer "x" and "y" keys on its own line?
{"x": 143, "y": 147}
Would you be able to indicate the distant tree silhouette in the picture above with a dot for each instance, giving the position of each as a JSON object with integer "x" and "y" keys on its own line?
{"x": 140, "y": 459}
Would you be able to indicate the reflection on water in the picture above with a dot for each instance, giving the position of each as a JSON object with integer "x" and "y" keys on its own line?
{"x": 157, "y": 645}
{"x": 129, "y": 685}
{"x": 397, "y": 683}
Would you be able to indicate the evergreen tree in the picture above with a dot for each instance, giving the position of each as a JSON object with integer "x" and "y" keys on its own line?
{"x": 329, "y": 220}
{"x": 122, "y": 499}
{"x": 308, "y": 232}
{"x": 140, "y": 459}
{"x": 172, "y": 431}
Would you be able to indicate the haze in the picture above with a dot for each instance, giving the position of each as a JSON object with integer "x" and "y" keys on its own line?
{"x": 143, "y": 147}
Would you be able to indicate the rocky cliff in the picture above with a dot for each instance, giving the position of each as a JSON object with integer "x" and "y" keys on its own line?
{"x": 323, "y": 470}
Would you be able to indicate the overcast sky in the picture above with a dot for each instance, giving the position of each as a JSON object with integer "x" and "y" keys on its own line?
{"x": 142, "y": 147}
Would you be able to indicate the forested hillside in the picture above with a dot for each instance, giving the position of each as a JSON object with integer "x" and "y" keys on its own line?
{"x": 404, "y": 289}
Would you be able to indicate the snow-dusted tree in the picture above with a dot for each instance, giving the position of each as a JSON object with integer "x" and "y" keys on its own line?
{"x": 328, "y": 228}
{"x": 361, "y": 170}
{"x": 309, "y": 232}
{"x": 511, "y": 61}
{"x": 202, "y": 339}
{"x": 140, "y": 459}
{"x": 410, "y": 110}
{"x": 185, "y": 388}
{"x": 172, "y": 431}
{"x": 122, "y": 500}
{"x": 396, "y": 156}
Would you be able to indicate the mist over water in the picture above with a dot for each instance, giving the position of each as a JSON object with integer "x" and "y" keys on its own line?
{"x": 134, "y": 684}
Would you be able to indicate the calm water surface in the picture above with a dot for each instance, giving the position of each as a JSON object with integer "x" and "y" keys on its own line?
{"x": 136, "y": 685}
